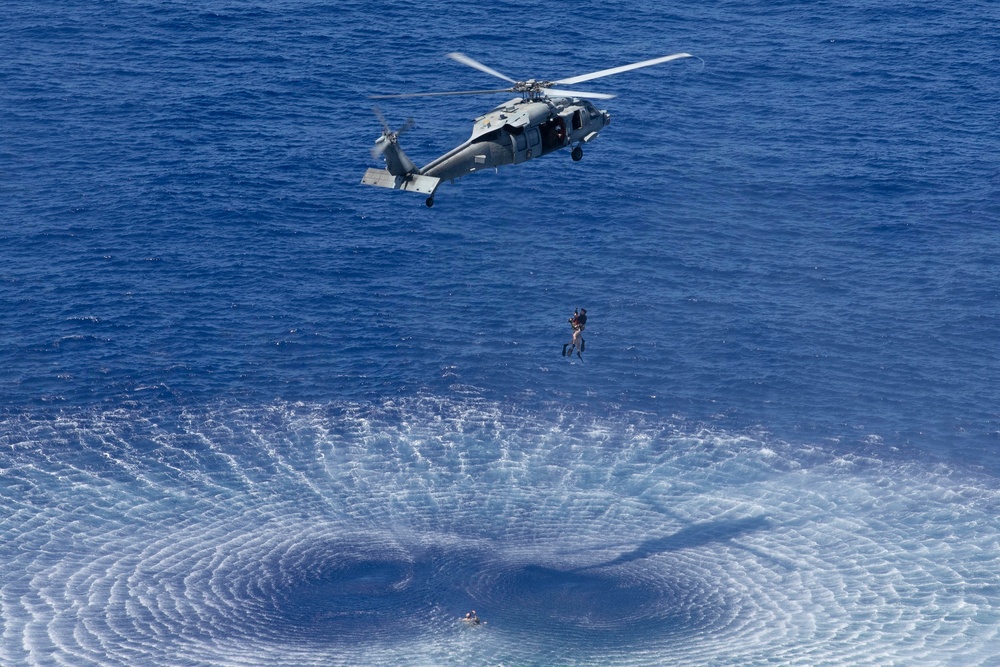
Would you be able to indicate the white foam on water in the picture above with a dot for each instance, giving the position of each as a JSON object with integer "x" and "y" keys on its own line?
{"x": 297, "y": 534}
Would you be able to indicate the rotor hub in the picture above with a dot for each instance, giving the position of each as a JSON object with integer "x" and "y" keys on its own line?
{"x": 532, "y": 89}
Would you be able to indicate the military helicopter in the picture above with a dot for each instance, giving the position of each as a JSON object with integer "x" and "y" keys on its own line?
{"x": 542, "y": 120}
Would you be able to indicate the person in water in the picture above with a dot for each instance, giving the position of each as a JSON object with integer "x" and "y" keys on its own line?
{"x": 579, "y": 323}
{"x": 471, "y": 617}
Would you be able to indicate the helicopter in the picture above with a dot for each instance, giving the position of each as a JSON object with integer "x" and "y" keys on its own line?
{"x": 543, "y": 119}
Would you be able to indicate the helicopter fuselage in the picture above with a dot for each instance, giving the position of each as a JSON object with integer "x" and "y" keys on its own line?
{"x": 543, "y": 120}
{"x": 520, "y": 130}
{"x": 512, "y": 133}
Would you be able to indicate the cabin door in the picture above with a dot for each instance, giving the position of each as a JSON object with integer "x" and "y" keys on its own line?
{"x": 519, "y": 143}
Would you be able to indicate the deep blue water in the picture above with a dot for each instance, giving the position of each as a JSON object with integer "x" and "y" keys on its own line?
{"x": 254, "y": 412}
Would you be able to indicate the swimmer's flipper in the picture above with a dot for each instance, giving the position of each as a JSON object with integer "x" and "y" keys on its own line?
{"x": 565, "y": 345}
{"x": 583, "y": 344}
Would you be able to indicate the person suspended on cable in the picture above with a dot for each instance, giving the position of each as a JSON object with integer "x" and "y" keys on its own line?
{"x": 579, "y": 322}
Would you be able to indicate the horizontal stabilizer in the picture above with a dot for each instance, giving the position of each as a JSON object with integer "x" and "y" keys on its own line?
{"x": 410, "y": 182}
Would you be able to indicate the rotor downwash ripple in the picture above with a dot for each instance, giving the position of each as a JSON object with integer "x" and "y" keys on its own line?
{"x": 333, "y": 534}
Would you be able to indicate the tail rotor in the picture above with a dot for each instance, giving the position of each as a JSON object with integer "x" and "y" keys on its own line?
{"x": 388, "y": 138}
{"x": 387, "y": 146}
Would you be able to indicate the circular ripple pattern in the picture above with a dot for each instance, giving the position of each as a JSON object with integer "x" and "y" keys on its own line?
{"x": 353, "y": 535}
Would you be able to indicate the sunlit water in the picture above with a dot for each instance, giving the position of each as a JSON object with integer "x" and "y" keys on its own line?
{"x": 310, "y": 534}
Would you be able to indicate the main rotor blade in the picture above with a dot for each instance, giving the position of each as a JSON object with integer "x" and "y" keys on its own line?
{"x": 466, "y": 60}
{"x": 575, "y": 93}
{"x": 456, "y": 92}
{"x": 622, "y": 68}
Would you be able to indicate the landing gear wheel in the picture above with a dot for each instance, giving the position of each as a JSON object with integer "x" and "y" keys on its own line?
{"x": 577, "y": 154}
{"x": 429, "y": 202}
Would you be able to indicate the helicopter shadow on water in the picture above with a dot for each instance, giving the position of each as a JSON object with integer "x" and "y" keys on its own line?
{"x": 692, "y": 537}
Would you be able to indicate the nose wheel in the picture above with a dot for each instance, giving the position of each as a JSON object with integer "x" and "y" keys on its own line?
{"x": 577, "y": 154}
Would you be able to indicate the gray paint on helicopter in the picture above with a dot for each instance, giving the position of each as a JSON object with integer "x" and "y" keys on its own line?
{"x": 543, "y": 120}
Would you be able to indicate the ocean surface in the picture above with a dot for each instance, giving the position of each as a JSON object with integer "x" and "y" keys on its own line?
{"x": 255, "y": 413}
